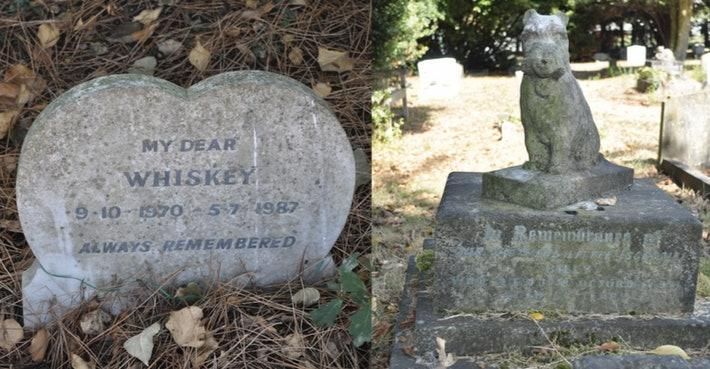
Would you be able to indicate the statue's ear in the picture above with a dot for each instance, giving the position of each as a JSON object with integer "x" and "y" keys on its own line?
{"x": 563, "y": 17}
{"x": 529, "y": 14}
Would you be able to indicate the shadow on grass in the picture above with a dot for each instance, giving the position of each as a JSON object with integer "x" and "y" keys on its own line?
{"x": 419, "y": 119}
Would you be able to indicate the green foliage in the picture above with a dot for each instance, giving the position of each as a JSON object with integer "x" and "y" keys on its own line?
{"x": 703, "y": 289}
{"x": 386, "y": 126}
{"x": 697, "y": 73}
{"x": 361, "y": 325}
{"x": 190, "y": 294}
{"x": 349, "y": 287}
{"x": 324, "y": 316}
{"x": 648, "y": 79}
{"x": 705, "y": 266}
{"x": 425, "y": 260}
{"x": 398, "y": 24}
{"x": 480, "y": 33}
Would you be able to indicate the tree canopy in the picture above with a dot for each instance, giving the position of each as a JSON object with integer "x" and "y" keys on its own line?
{"x": 483, "y": 34}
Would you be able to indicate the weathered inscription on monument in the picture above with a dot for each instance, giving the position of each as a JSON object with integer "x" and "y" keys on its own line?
{"x": 246, "y": 174}
{"x": 630, "y": 258}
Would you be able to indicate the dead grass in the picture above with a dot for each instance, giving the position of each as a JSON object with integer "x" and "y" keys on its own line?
{"x": 464, "y": 134}
{"x": 239, "y": 35}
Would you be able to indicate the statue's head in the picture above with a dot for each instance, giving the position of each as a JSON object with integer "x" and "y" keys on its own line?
{"x": 545, "y": 44}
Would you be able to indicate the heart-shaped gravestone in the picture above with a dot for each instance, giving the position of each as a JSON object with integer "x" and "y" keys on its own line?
{"x": 130, "y": 178}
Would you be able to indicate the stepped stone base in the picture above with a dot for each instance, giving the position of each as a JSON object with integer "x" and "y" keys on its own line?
{"x": 539, "y": 190}
{"x": 477, "y": 334}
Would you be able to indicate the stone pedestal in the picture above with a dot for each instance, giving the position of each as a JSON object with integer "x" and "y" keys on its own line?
{"x": 627, "y": 272}
{"x": 639, "y": 256}
{"x": 470, "y": 335}
{"x": 548, "y": 191}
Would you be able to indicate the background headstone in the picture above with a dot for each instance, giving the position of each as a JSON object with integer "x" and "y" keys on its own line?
{"x": 635, "y": 56}
{"x": 245, "y": 175}
{"x": 686, "y": 129}
{"x": 439, "y": 78}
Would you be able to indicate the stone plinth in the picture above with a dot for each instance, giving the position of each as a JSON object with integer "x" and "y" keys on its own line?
{"x": 477, "y": 334}
{"x": 540, "y": 190}
{"x": 639, "y": 256}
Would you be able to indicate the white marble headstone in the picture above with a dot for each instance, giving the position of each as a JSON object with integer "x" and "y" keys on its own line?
{"x": 635, "y": 56}
{"x": 439, "y": 78}
{"x": 128, "y": 178}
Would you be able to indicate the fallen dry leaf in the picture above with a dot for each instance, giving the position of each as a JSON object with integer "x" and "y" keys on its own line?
{"x": 205, "y": 351}
{"x": 8, "y": 163}
{"x": 322, "y": 89}
{"x": 199, "y": 57}
{"x": 19, "y": 74}
{"x": 9, "y": 90}
{"x": 169, "y": 46}
{"x": 305, "y": 297}
{"x": 267, "y": 7}
{"x": 610, "y": 346}
{"x": 244, "y": 49}
{"x": 294, "y": 346}
{"x": 334, "y": 61}
{"x": 537, "y": 316}
{"x": 48, "y": 35}
{"x": 331, "y": 349}
{"x": 140, "y": 346}
{"x": 445, "y": 360}
{"x": 606, "y": 201}
{"x": 94, "y": 322}
{"x": 38, "y": 346}
{"x": 248, "y": 320}
{"x": 24, "y": 96}
{"x": 670, "y": 350}
{"x": 186, "y": 328}
{"x": 7, "y": 120}
{"x": 287, "y": 39}
{"x": 327, "y": 56}
{"x": 10, "y": 333}
{"x": 233, "y": 31}
{"x": 89, "y": 24}
{"x": 252, "y": 4}
{"x": 251, "y": 14}
{"x": 148, "y": 16}
{"x": 78, "y": 363}
{"x": 296, "y": 56}
{"x": 144, "y": 66}
{"x": 143, "y": 35}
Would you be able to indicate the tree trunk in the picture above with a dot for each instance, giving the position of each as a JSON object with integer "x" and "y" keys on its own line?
{"x": 681, "y": 11}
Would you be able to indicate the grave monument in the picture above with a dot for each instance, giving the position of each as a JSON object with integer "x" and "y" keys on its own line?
{"x": 526, "y": 239}
{"x": 246, "y": 176}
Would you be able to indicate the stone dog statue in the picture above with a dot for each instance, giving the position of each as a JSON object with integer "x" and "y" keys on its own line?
{"x": 560, "y": 135}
